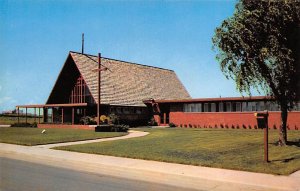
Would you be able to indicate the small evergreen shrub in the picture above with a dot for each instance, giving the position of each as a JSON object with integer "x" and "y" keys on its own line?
{"x": 114, "y": 119}
{"x": 112, "y": 128}
{"x": 87, "y": 120}
{"x": 24, "y": 125}
{"x": 172, "y": 125}
{"x": 274, "y": 126}
{"x": 244, "y": 126}
{"x": 152, "y": 122}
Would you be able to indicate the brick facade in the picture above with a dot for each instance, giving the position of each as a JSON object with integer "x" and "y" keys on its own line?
{"x": 230, "y": 120}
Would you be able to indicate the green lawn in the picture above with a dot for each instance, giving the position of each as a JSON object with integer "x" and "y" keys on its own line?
{"x": 33, "y": 136}
{"x": 230, "y": 149}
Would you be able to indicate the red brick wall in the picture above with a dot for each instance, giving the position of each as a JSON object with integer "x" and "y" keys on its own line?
{"x": 230, "y": 119}
{"x": 88, "y": 127}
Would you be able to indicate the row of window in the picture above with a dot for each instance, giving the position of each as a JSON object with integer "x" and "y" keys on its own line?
{"x": 126, "y": 110}
{"x": 234, "y": 106}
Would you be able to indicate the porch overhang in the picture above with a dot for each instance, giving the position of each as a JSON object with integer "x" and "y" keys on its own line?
{"x": 61, "y": 106}
{"x": 53, "y": 105}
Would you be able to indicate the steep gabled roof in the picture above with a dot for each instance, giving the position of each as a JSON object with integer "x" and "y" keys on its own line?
{"x": 126, "y": 83}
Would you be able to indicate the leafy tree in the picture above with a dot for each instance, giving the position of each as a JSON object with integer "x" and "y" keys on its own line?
{"x": 259, "y": 47}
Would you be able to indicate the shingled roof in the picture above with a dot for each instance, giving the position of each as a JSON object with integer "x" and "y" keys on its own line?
{"x": 126, "y": 83}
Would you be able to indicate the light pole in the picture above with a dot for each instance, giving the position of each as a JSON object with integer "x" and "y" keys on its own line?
{"x": 99, "y": 69}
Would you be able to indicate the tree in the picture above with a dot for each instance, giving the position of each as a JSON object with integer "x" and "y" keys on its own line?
{"x": 259, "y": 47}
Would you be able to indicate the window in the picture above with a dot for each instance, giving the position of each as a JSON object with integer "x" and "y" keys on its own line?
{"x": 221, "y": 107}
{"x": 138, "y": 111}
{"x": 261, "y": 106}
{"x": 228, "y": 107}
{"x": 244, "y": 106}
{"x": 126, "y": 110}
{"x": 119, "y": 110}
{"x": 238, "y": 106}
{"x": 213, "y": 107}
{"x": 199, "y": 107}
{"x": 192, "y": 107}
{"x": 206, "y": 107}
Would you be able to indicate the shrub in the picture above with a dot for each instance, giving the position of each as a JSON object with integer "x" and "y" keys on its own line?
{"x": 104, "y": 119}
{"x": 237, "y": 126}
{"x": 152, "y": 122}
{"x": 249, "y": 126}
{"x": 226, "y": 126}
{"x": 24, "y": 125}
{"x": 244, "y": 126}
{"x": 222, "y": 126}
{"x": 114, "y": 119}
{"x": 190, "y": 126}
{"x": 255, "y": 126}
{"x": 274, "y": 126}
{"x": 172, "y": 125}
{"x": 216, "y": 126}
{"x": 112, "y": 128}
{"x": 87, "y": 120}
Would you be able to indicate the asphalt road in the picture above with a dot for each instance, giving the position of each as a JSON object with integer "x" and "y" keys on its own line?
{"x": 18, "y": 175}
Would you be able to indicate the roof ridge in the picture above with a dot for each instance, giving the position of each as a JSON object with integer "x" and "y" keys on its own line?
{"x": 124, "y": 61}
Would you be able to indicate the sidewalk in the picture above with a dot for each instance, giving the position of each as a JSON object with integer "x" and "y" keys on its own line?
{"x": 185, "y": 176}
{"x": 132, "y": 134}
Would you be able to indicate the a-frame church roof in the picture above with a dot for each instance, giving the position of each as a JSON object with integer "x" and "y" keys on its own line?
{"x": 124, "y": 83}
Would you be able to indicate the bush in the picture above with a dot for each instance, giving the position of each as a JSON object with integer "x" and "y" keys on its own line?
{"x": 87, "y": 120}
{"x": 172, "y": 125}
{"x": 152, "y": 122}
{"x": 112, "y": 128}
{"x": 104, "y": 119}
{"x": 24, "y": 125}
{"x": 114, "y": 119}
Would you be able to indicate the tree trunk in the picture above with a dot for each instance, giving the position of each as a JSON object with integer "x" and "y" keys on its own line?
{"x": 282, "y": 130}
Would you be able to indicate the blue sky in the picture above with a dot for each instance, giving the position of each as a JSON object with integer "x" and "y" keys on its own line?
{"x": 36, "y": 37}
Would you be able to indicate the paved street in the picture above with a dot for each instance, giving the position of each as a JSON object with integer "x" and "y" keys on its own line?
{"x": 16, "y": 175}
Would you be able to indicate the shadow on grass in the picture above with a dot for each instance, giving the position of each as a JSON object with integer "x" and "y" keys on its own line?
{"x": 289, "y": 143}
{"x": 293, "y": 143}
{"x": 285, "y": 160}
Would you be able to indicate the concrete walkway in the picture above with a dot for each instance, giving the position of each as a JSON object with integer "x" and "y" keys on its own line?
{"x": 185, "y": 176}
{"x": 132, "y": 134}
